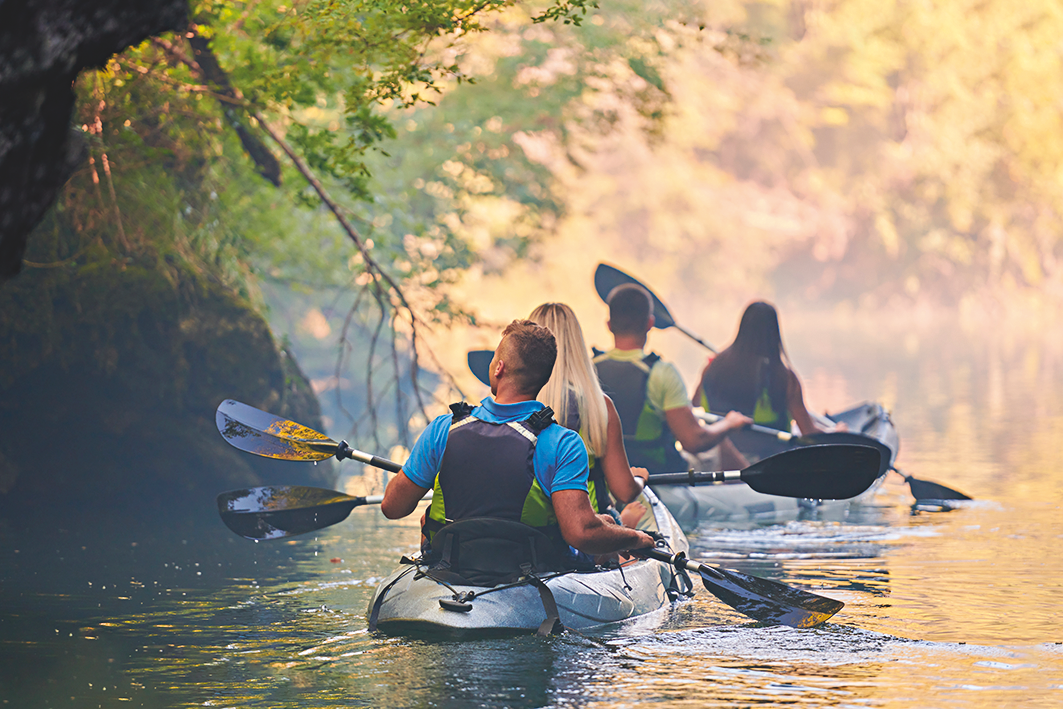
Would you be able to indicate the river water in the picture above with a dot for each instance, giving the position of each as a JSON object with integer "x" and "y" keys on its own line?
{"x": 957, "y": 608}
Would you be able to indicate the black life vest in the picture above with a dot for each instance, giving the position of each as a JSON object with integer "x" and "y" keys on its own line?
{"x": 768, "y": 404}
{"x": 487, "y": 471}
{"x": 647, "y": 438}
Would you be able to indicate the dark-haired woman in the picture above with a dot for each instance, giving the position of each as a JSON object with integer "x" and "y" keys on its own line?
{"x": 754, "y": 376}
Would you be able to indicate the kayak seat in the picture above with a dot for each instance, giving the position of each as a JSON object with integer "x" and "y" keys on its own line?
{"x": 486, "y": 551}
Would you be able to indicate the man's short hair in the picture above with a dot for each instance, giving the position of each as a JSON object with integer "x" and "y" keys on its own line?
{"x": 630, "y": 308}
{"x": 529, "y": 351}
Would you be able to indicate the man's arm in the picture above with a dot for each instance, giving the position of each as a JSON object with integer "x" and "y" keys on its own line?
{"x": 407, "y": 488}
{"x": 667, "y": 393}
{"x": 401, "y": 496}
{"x": 696, "y": 437}
{"x": 590, "y": 533}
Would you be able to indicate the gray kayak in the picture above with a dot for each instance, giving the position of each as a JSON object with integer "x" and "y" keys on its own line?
{"x": 408, "y": 601}
{"x": 738, "y": 503}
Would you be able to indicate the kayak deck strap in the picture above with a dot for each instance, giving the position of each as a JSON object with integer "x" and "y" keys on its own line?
{"x": 375, "y": 613}
{"x": 462, "y": 601}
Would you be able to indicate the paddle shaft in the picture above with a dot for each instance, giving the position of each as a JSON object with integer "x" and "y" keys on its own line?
{"x": 345, "y": 451}
{"x": 695, "y": 338}
{"x": 680, "y": 561}
{"x": 756, "y": 428}
{"x": 716, "y": 477}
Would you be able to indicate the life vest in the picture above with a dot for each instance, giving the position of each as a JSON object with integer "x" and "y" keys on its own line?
{"x": 769, "y": 408}
{"x": 488, "y": 471}
{"x": 647, "y": 437}
{"x": 596, "y": 485}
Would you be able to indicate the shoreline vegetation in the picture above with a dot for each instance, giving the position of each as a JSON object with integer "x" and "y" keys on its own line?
{"x": 865, "y": 168}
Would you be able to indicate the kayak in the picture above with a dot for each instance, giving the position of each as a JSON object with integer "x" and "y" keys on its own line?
{"x": 483, "y": 569}
{"x": 409, "y": 601}
{"x": 738, "y": 503}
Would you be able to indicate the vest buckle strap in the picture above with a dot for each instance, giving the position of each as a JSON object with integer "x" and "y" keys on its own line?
{"x": 540, "y": 419}
{"x": 460, "y": 410}
{"x": 552, "y": 625}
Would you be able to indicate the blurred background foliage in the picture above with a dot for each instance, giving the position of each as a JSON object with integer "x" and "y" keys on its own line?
{"x": 874, "y": 157}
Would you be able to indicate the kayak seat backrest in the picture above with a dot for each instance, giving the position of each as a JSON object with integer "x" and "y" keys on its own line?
{"x": 486, "y": 551}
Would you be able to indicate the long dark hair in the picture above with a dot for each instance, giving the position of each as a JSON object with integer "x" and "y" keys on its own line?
{"x": 754, "y": 360}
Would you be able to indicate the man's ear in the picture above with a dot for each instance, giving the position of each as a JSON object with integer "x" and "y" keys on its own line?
{"x": 649, "y": 325}
{"x": 609, "y": 324}
{"x": 500, "y": 367}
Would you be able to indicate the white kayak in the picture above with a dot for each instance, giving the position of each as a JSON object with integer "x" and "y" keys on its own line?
{"x": 738, "y": 503}
{"x": 409, "y": 601}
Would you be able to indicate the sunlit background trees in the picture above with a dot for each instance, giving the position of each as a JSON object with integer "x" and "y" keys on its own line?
{"x": 380, "y": 178}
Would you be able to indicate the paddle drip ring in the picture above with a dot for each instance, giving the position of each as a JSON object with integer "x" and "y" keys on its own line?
{"x": 343, "y": 450}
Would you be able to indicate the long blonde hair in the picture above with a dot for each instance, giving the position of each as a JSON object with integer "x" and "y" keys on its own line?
{"x": 573, "y": 376}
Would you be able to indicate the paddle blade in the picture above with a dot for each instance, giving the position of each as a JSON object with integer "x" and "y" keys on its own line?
{"x": 927, "y": 490}
{"x": 824, "y": 472}
{"x": 768, "y": 601}
{"x": 480, "y": 364}
{"x": 854, "y": 439}
{"x": 606, "y": 278}
{"x": 760, "y": 599}
{"x": 283, "y": 511}
{"x": 261, "y": 433}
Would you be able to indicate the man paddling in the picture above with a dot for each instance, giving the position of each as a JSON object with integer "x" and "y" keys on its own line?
{"x": 650, "y": 395}
{"x": 507, "y": 459}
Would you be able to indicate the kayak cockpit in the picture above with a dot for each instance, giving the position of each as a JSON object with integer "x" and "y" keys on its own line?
{"x": 419, "y": 597}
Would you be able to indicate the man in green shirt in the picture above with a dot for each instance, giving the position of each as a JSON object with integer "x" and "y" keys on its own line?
{"x": 650, "y": 396}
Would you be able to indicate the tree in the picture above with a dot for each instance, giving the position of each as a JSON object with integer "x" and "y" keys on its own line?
{"x": 305, "y": 96}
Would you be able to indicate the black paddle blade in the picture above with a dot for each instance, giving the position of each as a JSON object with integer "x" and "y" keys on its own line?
{"x": 768, "y": 601}
{"x": 606, "y": 278}
{"x": 480, "y": 364}
{"x": 825, "y": 472}
{"x": 283, "y": 511}
{"x": 927, "y": 490}
{"x": 855, "y": 439}
{"x": 261, "y": 433}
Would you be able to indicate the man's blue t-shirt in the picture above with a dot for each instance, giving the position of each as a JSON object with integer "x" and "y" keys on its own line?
{"x": 560, "y": 458}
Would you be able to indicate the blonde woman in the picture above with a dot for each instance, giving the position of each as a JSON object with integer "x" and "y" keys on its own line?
{"x": 576, "y": 397}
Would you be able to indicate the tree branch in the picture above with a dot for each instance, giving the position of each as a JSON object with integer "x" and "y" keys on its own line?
{"x": 205, "y": 64}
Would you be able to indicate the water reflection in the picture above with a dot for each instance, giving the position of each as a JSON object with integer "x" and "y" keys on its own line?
{"x": 955, "y": 608}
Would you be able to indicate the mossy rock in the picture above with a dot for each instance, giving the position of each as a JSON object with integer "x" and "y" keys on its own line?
{"x": 112, "y": 375}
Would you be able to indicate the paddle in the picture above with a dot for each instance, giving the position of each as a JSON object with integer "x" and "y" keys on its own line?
{"x": 759, "y": 598}
{"x": 276, "y": 512}
{"x": 283, "y": 511}
{"x": 480, "y": 364}
{"x": 927, "y": 490}
{"x": 920, "y": 489}
{"x": 821, "y": 472}
{"x": 279, "y": 511}
{"x": 607, "y": 277}
{"x": 255, "y": 431}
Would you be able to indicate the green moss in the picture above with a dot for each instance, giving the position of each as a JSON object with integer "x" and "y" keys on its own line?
{"x": 113, "y": 370}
